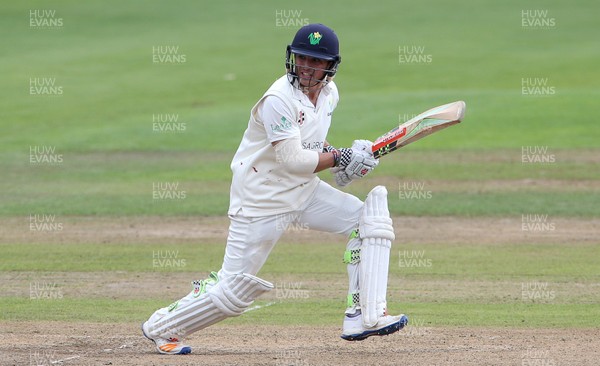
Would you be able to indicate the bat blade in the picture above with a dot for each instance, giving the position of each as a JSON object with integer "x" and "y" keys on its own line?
{"x": 418, "y": 127}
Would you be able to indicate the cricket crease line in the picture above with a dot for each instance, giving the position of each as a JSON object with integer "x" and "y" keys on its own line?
{"x": 260, "y": 306}
{"x": 64, "y": 359}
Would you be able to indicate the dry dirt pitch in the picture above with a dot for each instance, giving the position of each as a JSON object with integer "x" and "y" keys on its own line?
{"x": 228, "y": 343}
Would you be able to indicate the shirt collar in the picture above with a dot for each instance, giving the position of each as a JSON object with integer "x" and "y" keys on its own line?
{"x": 298, "y": 94}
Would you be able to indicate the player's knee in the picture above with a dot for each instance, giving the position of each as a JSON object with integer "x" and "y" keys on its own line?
{"x": 234, "y": 294}
{"x": 375, "y": 221}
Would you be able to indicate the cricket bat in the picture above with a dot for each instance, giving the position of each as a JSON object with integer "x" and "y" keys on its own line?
{"x": 418, "y": 127}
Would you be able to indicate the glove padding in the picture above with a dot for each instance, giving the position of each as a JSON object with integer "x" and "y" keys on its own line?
{"x": 364, "y": 145}
{"x": 355, "y": 163}
{"x": 361, "y": 164}
{"x": 341, "y": 178}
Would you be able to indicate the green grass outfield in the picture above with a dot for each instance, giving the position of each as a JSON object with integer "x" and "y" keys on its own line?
{"x": 100, "y": 128}
{"x": 463, "y": 285}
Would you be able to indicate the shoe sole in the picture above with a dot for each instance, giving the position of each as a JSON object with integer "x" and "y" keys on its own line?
{"x": 184, "y": 350}
{"x": 389, "y": 329}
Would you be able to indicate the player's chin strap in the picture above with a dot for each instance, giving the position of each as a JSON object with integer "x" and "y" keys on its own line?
{"x": 377, "y": 232}
{"x": 295, "y": 81}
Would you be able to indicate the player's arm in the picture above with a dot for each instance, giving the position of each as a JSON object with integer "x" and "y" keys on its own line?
{"x": 293, "y": 155}
{"x": 284, "y": 135}
{"x": 326, "y": 160}
{"x": 349, "y": 163}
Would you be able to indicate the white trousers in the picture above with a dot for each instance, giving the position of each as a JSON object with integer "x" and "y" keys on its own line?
{"x": 249, "y": 244}
{"x": 251, "y": 239}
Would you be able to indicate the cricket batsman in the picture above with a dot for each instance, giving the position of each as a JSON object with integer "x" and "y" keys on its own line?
{"x": 274, "y": 185}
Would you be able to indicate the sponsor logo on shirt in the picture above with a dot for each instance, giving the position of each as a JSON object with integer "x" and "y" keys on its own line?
{"x": 284, "y": 124}
{"x": 301, "y": 118}
{"x": 313, "y": 145}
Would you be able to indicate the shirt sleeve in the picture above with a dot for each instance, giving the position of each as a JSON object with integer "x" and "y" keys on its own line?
{"x": 279, "y": 121}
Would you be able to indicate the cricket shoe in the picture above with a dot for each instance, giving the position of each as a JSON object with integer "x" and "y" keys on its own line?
{"x": 354, "y": 330}
{"x": 170, "y": 346}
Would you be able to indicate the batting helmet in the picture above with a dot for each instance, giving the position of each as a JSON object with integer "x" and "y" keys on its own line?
{"x": 314, "y": 40}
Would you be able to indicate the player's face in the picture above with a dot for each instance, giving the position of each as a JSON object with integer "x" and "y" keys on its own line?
{"x": 310, "y": 69}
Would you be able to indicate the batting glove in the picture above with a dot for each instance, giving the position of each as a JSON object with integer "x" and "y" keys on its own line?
{"x": 341, "y": 178}
{"x": 361, "y": 164}
{"x": 355, "y": 162}
{"x": 364, "y": 145}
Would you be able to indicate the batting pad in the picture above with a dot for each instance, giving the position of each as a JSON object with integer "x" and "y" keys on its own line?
{"x": 229, "y": 297}
{"x": 377, "y": 233}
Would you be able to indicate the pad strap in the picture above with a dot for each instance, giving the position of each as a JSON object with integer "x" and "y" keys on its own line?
{"x": 353, "y": 299}
{"x": 352, "y": 256}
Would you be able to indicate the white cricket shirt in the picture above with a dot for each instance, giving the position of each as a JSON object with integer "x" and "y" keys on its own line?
{"x": 261, "y": 186}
